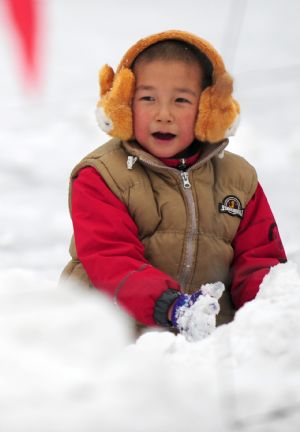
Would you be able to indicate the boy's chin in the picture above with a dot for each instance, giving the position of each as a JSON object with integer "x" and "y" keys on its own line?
{"x": 164, "y": 149}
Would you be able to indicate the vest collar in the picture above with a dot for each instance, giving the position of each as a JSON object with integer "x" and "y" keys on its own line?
{"x": 207, "y": 152}
{"x": 181, "y": 163}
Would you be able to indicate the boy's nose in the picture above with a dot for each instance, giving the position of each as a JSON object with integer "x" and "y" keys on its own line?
{"x": 164, "y": 114}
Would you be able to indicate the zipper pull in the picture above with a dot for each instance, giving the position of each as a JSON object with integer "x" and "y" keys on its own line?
{"x": 131, "y": 160}
{"x": 185, "y": 179}
{"x": 182, "y": 165}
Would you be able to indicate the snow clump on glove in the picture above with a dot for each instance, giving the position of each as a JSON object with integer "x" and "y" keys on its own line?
{"x": 195, "y": 315}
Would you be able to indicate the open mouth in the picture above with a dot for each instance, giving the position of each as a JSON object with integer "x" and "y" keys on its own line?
{"x": 165, "y": 136}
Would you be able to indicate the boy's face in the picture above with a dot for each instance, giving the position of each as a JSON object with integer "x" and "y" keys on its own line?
{"x": 165, "y": 105}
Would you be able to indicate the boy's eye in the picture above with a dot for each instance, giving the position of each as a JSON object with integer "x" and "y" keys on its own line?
{"x": 147, "y": 98}
{"x": 182, "y": 100}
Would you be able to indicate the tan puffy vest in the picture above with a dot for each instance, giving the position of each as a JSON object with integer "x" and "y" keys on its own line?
{"x": 187, "y": 231}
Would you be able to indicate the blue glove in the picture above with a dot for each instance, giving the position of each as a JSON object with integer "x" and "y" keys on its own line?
{"x": 194, "y": 315}
{"x": 183, "y": 302}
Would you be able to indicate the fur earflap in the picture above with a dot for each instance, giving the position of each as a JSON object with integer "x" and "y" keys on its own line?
{"x": 218, "y": 111}
{"x": 113, "y": 113}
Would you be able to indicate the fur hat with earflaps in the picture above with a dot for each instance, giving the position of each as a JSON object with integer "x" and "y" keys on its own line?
{"x": 218, "y": 112}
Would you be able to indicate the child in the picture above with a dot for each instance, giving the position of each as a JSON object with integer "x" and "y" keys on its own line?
{"x": 161, "y": 209}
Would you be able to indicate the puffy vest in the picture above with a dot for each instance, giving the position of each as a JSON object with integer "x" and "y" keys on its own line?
{"x": 186, "y": 220}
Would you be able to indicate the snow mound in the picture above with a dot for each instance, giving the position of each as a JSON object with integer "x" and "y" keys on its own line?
{"x": 54, "y": 341}
{"x": 245, "y": 375}
{"x": 67, "y": 364}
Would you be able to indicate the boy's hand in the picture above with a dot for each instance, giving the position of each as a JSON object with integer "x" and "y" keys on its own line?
{"x": 195, "y": 315}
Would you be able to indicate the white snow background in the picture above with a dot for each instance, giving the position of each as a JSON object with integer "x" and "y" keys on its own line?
{"x": 68, "y": 361}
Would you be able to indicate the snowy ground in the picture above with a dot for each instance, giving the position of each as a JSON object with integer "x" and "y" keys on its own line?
{"x": 62, "y": 369}
{"x": 60, "y": 366}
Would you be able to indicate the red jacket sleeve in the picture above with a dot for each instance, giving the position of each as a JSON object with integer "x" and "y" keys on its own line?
{"x": 257, "y": 247}
{"x": 109, "y": 249}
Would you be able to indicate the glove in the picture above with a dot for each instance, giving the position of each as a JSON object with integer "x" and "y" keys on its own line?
{"x": 195, "y": 315}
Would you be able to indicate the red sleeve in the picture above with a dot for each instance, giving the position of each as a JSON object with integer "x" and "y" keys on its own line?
{"x": 109, "y": 249}
{"x": 257, "y": 247}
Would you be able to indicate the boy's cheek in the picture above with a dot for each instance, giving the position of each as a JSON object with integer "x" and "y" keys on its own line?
{"x": 189, "y": 117}
{"x": 188, "y": 123}
{"x": 139, "y": 127}
{"x": 141, "y": 119}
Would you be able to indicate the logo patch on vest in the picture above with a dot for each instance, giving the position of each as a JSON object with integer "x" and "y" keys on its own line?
{"x": 232, "y": 206}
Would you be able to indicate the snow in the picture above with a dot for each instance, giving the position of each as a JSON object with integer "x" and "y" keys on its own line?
{"x": 68, "y": 362}
{"x": 196, "y": 317}
{"x": 68, "y": 359}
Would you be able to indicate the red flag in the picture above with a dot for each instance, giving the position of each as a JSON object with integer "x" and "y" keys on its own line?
{"x": 25, "y": 17}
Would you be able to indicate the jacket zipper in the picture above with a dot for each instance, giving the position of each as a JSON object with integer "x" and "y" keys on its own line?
{"x": 190, "y": 244}
{"x": 185, "y": 180}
